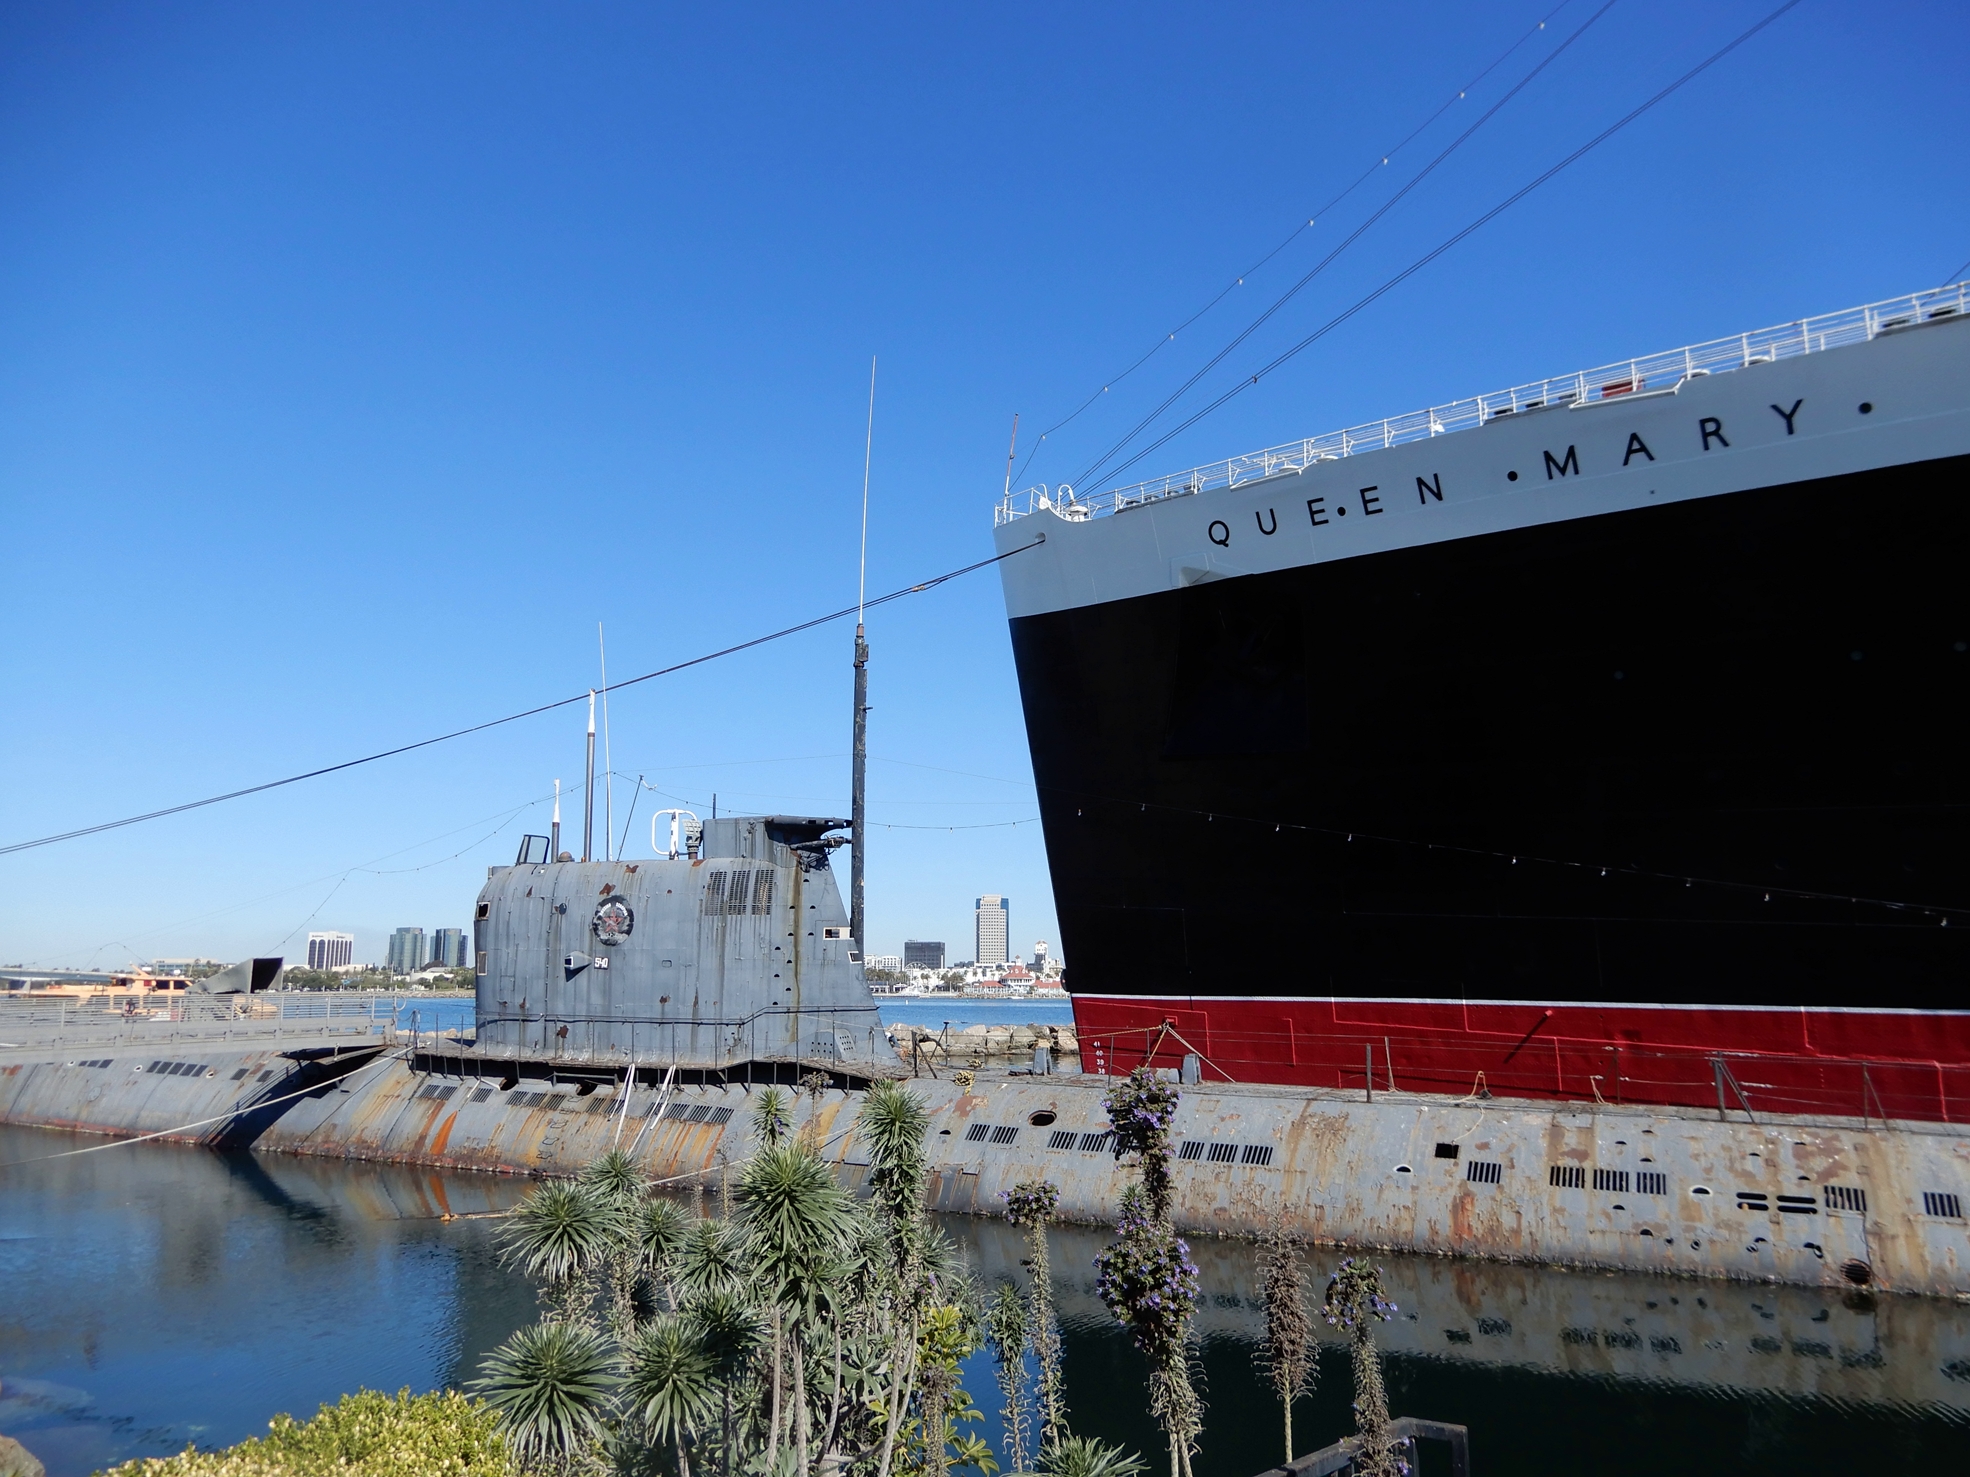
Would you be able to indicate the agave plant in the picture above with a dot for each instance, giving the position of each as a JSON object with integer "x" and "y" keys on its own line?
{"x": 614, "y": 1177}
{"x": 670, "y": 1382}
{"x": 772, "y": 1116}
{"x": 552, "y": 1385}
{"x": 1084, "y": 1456}
{"x": 730, "y": 1331}
{"x": 562, "y": 1235}
{"x": 662, "y": 1229}
{"x": 800, "y": 1223}
{"x": 715, "y": 1258}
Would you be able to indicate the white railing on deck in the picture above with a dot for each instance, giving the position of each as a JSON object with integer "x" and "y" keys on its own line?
{"x": 1610, "y": 381}
{"x": 28, "y": 1020}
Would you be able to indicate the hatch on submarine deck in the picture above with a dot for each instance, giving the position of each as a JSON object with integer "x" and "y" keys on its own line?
{"x": 737, "y": 952}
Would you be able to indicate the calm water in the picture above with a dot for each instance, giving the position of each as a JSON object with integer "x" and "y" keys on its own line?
{"x": 152, "y": 1295}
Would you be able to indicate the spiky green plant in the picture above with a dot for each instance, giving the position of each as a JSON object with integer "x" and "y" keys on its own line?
{"x": 662, "y": 1230}
{"x": 730, "y": 1331}
{"x": 772, "y": 1116}
{"x": 615, "y": 1177}
{"x": 716, "y": 1257}
{"x": 1084, "y": 1456}
{"x": 669, "y": 1381}
{"x": 552, "y": 1386}
{"x": 562, "y": 1234}
{"x": 799, "y": 1222}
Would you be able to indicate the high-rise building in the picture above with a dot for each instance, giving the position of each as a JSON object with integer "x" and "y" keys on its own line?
{"x": 1040, "y": 957}
{"x": 448, "y": 948}
{"x": 992, "y": 922}
{"x": 331, "y": 950}
{"x": 923, "y": 953}
{"x": 406, "y": 950}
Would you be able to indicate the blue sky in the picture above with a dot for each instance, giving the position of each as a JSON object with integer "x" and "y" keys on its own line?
{"x": 356, "y": 360}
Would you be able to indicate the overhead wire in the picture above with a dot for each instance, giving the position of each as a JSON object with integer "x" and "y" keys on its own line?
{"x": 1381, "y": 162}
{"x": 696, "y": 661}
{"x": 1423, "y": 261}
{"x": 1353, "y": 236}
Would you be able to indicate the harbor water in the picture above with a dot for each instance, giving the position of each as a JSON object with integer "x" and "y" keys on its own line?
{"x": 153, "y": 1295}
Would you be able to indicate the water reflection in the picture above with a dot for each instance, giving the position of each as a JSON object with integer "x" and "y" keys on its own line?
{"x": 151, "y": 1295}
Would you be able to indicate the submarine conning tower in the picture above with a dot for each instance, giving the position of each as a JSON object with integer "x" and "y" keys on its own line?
{"x": 735, "y": 953}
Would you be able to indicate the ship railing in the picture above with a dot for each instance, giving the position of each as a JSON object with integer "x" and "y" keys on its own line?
{"x": 1653, "y": 373}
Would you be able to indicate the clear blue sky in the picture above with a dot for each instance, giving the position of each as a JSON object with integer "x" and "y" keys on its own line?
{"x": 355, "y": 360}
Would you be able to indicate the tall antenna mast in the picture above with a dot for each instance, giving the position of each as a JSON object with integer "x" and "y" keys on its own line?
{"x": 588, "y": 794}
{"x": 857, "y": 809}
{"x": 1011, "y": 447}
{"x": 608, "y": 764}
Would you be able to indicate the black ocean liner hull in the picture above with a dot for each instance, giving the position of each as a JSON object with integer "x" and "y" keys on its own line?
{"x": 1614, "y": 747}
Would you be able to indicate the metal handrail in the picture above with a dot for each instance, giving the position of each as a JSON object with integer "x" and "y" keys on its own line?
{"x": 192, "y": 1015}
{"x": 1588, "y": 386}
{"x": 1406, "y": 1430}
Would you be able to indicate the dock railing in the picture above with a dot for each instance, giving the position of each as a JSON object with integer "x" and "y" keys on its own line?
{"x": 1650, "y": 374}
{"x": 191, "y": 1015}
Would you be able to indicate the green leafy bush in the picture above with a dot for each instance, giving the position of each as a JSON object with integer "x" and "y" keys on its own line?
{"x": 368, "y": 1434}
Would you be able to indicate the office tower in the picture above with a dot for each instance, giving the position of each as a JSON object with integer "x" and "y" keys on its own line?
{"x": 448, "y": 947}
{"x": 406, "y": 950}
{"x": 993, "y": 923}
{"x": 923, "y": 953}
{"x": 331, "y": 950}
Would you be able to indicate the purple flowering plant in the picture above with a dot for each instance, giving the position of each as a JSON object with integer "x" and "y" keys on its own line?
{"x": 1354, "y": 1295}
{"x": 1140, "y": 1110}
{"x": 1147, "y": 1280}
{"x": 1032, "y": 1203}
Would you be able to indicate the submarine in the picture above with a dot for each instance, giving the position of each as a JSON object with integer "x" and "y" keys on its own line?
{"x": 728, "y": 959}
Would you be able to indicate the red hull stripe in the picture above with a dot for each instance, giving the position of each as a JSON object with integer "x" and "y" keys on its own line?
{"x": 1849, "y": 1062}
